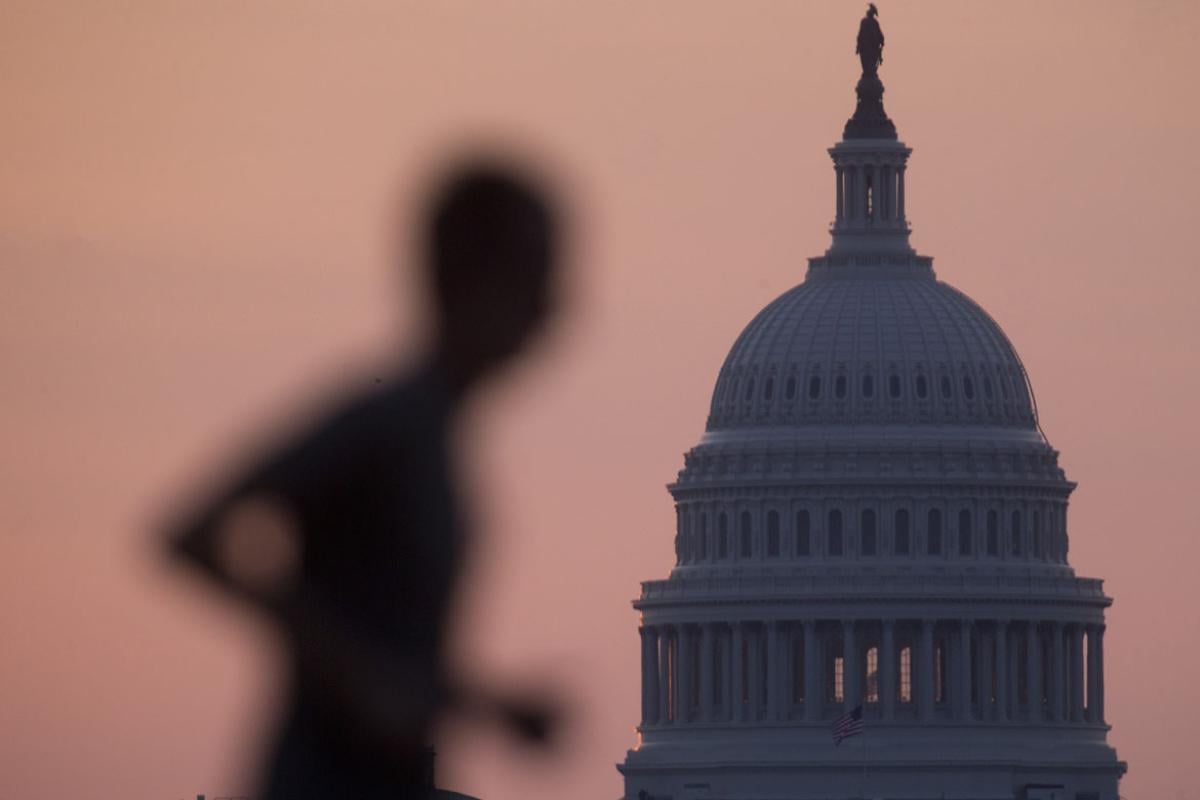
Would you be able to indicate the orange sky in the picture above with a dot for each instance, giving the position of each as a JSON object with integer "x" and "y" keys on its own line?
{"x": 194, "y": 201}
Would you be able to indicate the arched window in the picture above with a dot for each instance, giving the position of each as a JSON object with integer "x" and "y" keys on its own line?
{"x": 894, "y": 386}
{"x": 922, "y": 387}
{"x": 933, "y": 533}
{"x": 839, "y": 387}
{"x": 772, "y": 533}
{"x": 868, "y": 386}
{"x": 968, "y": 387}
{"x": 803, "y": 533}
{"x": 702, "y": 538}
{"x": 746, "y": 544}
{"x": 993, "y": 533}
{"x": 749, "y": 389}
{"x": 904, "y": 687}
{"x": 947, "y": 388}
{"x": 1016, "y": 533}
{"x": 814, "y": 387}
{"x": 768, "y": 388}
{"x": 723, "y": 535}
{"x": 964, "y": 532}
{"x": 902, "y": 546}
{"x": 789, "y": 390}
{"x": 869, "y": 536}
{"x": 835, "y": 533}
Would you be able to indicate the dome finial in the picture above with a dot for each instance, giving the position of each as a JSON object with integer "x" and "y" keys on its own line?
{"x": 870, "y": 121}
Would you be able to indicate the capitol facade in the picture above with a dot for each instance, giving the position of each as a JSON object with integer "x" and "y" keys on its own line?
{"x": 873, "y": 518}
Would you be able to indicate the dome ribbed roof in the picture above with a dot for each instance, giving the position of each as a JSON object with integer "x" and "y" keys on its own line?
{"x": 873, "y": 346}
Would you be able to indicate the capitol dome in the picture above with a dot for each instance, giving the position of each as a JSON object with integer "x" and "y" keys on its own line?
{"x": 872, "y": 534}
{"x": 872, "y": 345}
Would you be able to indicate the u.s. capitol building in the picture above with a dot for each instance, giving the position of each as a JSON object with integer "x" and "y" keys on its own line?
{"x": 873, "y": 517}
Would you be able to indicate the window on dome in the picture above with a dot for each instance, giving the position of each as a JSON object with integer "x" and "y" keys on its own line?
{"x": 947, "y": 388}
{"x": 968, "y": 387}
{"x": 964, "y": 533}
{"x": 803, "y": 537}
{"x": 902, "y": 535}
{"x": 869, "y": 536}
{"x": 789, "y": 389}
{"x": 839, "y": 387}
{"x": 934, "y": 532}
{"x": 768, "y": 388}
{"x": 993, "y": 533}
{"x": 868, "y": 386}
{"x": 814, "y": 387}
{"x": 746, "y": 545}
{"x": 1016, "y": 533}
{"x": 749, "y": 389}
{"x": 772, "y": 533}
{"x": 835, "y": 533}
{"x": 894, "y": 386}
{"x": 722, "y": 535}
{"x": 922, "y": 387}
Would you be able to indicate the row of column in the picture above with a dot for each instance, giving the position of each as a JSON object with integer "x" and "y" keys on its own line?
{"x": 981, "y": 670}
{"x": 885, "y": 184}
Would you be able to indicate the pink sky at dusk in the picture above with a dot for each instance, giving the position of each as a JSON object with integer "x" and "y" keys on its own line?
{"x": 196, "y": 203}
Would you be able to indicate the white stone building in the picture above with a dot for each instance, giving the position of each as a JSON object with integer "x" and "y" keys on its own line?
{"x": 873, "y": 517}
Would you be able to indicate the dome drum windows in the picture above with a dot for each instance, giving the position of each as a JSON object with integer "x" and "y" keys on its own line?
{"x": 839, "y": 387}
{"x": 803, "y": 533}
{"x": 834, "y": 532}
{"x": 722, "y": 536}
{"x": 993, "y": 534}
{"x": 745, "y": 536}
{"x": 773, "y": 546}
{"x": 894, "y": 386}
{"x": 1016, "y": 533}
{"x": 814, "y": 387}
{"x": 868, "y": 535}
{"x": 921, "y": 385}
{"x": 868, "y": 386}
{"x": 789, "y": 388}
{"x": 965, "y": 533}
{"x": 933, "y": 532}
{"x": 901, "y": 545}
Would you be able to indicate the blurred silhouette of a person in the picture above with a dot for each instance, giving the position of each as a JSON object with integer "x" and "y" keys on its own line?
{"x": 869, "y": 45}
{"x": 351, "y": 536}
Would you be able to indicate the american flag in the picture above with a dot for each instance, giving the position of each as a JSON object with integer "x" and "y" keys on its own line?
{"x": 847, "y": 725}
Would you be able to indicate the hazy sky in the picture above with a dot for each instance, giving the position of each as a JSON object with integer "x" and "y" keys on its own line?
{"x": 196, "y": 201}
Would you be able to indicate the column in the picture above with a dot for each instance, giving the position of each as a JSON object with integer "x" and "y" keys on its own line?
{"x": 887, "y": 670}
{"x": 775, "y": 704}
{"x": 877, "y": 192}
{"x": 664, "y": 674}
{"x": 900, "y": 199}
{"x": 812, "y": 679}
{"x": 925, "y": 670}
{"x": 707, "y": 656}
{"x": 885, "y": 192}
{"x": 1099, "y": 673}
{"x": 754, "y": 644}
{"x": 737, "y": 673}
{"x": 649, "y": 675}
{"x": 964, "y": 670}
{"x": 1075, "y": 638}
{"x": 850, "y": 666}
{"x": 860, "y": 193}
{"x": 1033, "y": 670}
{"x": 841, "y": 194}
{"x": 1002, "y": 674}
{"x": 683, "y": 674}
{"x": 984, "y": 670}
{"x": 1057, "y": 695}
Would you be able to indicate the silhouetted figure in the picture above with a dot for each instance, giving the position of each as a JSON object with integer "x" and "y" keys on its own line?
{"x": 351, "y": 536}
{"x": 870, "y": 41}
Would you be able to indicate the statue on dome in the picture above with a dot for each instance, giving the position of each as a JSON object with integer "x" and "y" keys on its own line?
{"x": 870, "y": 41}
